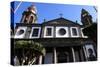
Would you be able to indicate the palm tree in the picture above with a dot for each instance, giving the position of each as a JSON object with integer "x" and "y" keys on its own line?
{"x": 35, "y": 48}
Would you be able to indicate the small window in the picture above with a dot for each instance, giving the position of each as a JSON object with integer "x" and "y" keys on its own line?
{"x": 20, "y": 32}
{"x": 48, "y": 31}
{"x": 26, "y": 18}
{"x": 74, "y": 32}
{"x": 35, "y": 32}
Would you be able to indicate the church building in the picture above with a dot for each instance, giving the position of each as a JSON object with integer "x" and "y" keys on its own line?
{"x": 63, "y": 39}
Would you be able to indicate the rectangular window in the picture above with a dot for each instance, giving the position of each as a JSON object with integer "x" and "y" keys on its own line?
{"x": 48, "y": 31}
{"x": 35, "y": 33}
{"x": 74, "y": 32}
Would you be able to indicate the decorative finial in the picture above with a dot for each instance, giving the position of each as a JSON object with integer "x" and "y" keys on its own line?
{"x": 76, "y": 21}
{"x": 44, "y": 20}
{"x": 61, "y": 15}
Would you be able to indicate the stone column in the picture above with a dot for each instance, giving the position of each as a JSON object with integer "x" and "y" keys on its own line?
{"x": 73, "y": 53}
{"x": 55, "y": 56}
{"x": 86, "y": 57}
{"x": 40, "y": 59}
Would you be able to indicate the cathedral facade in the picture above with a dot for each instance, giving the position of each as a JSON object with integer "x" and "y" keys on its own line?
{"x": 63, "y": 39}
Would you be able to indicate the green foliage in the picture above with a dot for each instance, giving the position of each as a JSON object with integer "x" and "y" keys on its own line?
{"x": 37, "y": 47}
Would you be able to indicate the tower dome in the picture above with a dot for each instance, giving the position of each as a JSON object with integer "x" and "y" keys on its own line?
{"x": 32, "y": 8}
{"x": 29, "y": 16}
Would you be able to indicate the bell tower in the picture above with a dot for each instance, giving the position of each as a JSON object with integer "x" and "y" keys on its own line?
{"x": 29, "y": 16}
{"x": 86, "y": 18}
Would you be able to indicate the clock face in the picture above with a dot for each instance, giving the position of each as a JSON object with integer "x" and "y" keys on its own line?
{"x": 20, "y": 32}
{"x": 62, "y": 31}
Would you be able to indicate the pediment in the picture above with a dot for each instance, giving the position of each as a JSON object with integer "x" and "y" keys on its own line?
{"x": 60, "y": 21}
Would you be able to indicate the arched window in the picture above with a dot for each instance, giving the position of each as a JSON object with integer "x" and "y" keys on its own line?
{"x": 26, "y": 18}
{"x": 31, "y": 19}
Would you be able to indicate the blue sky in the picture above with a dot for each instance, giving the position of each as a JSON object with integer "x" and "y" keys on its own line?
{"x": 50, "y": 11}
